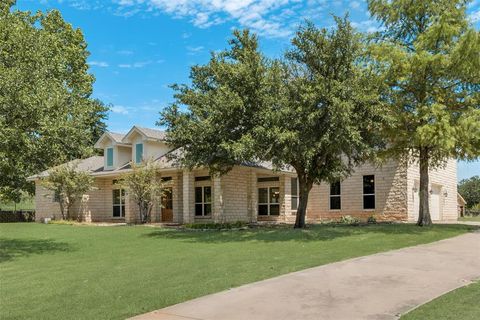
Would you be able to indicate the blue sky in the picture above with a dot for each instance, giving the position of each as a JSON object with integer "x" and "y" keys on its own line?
{"x": 139, "y": 47}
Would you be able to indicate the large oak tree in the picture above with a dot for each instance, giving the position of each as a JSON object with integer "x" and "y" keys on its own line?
{"x": 428, "y": 56}
{"x": 47, "y": 114}
{"x": 315, "y": 111}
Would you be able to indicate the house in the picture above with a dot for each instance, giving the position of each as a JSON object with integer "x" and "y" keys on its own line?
{"x": 249, "y": 192}
{"x": 461, "y": 205}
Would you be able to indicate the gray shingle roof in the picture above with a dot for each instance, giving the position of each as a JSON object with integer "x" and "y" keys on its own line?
{"x": 117, "y": 136}
{"x": 152, "y": 133}
{"x": 92, "y": 164}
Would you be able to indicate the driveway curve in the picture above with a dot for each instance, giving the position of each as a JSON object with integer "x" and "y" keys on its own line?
{"x": 379, "y": 286}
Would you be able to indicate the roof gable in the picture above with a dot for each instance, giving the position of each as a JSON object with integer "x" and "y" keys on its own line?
{"x": 111, "y": 138}
{"x": 146, "y": 133}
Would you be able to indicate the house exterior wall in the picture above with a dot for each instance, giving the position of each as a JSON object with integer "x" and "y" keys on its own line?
{"x": 235, "y": 196}
{"x": 444, "y": 178}
{"x": 45, "y": 206}
{"x": 390, "y": 196}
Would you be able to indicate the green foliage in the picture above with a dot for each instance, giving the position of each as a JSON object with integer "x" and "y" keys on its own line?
{"x": 470, "y": 191}
{"x": 428, "y": 58}
{"x": 372, "y": 219}
{"x": 316, "y": 111}
{"x": 68, "y": 185}
{"x": 143, "y": 187}
{"x": 349, "y": 220}
{"x": 47, "y": 114}
{"x": 224, "y": 105}
{"x": 217, "y": 226}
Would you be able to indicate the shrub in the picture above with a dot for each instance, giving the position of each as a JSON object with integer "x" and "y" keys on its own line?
{"x": 372, "y": 219}
{"x": 349, "y": 220}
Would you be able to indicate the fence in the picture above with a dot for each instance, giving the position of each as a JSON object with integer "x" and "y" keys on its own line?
{"x": 472, "y": 212}
{"x": 17, "y": 216}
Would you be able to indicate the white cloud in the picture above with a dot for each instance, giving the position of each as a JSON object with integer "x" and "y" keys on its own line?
{"x": 367, "y": 25}
{"x": 135, "y": 65}
{"x": 125, "y": 52}
{"x": 354, "y": 4}
{"x": 270, "y": 18}
{"x": 475, "y": 16}
{"x": 119, "y": 109}
{"x": 194, "y": 50}
{"x": 101, "y": 64}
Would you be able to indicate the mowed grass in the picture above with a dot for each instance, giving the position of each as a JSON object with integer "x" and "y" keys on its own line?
{"x": 462, "y": 303}
{"x": 88, "y": 272}
{"x": 476, "y": 218}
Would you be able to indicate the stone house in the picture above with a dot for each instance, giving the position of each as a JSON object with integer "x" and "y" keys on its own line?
{"x": 251, "y": 193}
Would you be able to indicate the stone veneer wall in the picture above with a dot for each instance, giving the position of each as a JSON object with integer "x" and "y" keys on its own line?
{"x": 390, "y": 196}
{"x": 446, "y": 178}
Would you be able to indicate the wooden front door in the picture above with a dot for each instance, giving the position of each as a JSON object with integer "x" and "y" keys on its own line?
{"x": 167, "y": 205}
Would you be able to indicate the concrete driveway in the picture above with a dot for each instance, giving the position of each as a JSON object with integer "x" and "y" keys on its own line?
{"x": 380, "y": 286}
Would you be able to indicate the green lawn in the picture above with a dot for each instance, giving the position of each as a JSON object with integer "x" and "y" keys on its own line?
{"x": 87, "y": 272}
{"x": 477, "y": 218}
{"x": 462, "y": 304}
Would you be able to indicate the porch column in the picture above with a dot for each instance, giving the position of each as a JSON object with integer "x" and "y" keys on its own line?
{"x": 253, "y": 197}
{"x": 218, "y": 207}
{"x": 287, "y": 197}
{"x": 188, "y": 196}
{"x": 130, "y": 212}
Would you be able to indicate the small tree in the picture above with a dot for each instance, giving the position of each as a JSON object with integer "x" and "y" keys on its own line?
{"x": 68, "y": 185}
{"x": 143, "y": 186}
{"x": 470, "y": 191}
{"x": 428, "y": 58}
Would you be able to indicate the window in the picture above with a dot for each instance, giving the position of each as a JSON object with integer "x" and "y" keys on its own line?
{"x": 369, "y": 192}
{"x": 138, "y": 152}
{"x": 335, "y": 196}
{"x": 203, "y": 178}
{"x": 118, "y": 203}
{"x": 269, "y": 201}
{"x": 109, "y": 157}
{"x": 166, "y": 179}
{"x": 268, "y": 179}
{"x": 203, "y": 201}
{"x": 294, "y": 188}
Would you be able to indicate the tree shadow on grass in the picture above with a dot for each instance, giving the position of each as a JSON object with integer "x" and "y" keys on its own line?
{"x": 11, "y": 249}
{"x": 314, "y": 233}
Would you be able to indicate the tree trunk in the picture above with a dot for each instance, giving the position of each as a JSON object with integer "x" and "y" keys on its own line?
{"x": 304, "y": 190}
{"x": 424, "y": 210}
{"x": 62, "y": 208}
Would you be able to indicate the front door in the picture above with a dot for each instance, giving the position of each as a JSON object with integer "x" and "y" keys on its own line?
{"x": 167, "y": 205}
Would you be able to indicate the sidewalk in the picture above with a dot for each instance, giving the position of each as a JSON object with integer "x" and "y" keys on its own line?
{"x": 380, "y": 286}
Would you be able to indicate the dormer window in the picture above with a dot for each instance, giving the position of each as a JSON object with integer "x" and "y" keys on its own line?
{"x": 138, "y": 152}
{"x": 109, "y": 157}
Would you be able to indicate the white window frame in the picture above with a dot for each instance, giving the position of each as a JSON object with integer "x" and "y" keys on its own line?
{"x": 121, "y": 204}
{"x": 336, "y": 196}
{"x": 369, "y": 194}
{"x": 203, "y": 202}
{"x": 106, "y": 157}
{"x": 136, "y": 151}
{"x": 268, "y": 203}
{"x": 294, "y": 196}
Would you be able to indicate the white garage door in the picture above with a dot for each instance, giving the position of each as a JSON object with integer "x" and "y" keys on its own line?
{"x": 435, "y": 203}
{"x": 435, "y": 206}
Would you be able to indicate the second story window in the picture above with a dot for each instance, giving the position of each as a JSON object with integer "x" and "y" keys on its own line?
{"x": 369, "y": 192}
{"x": 138, "y": 152}
{"x": 109, "y": 157}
